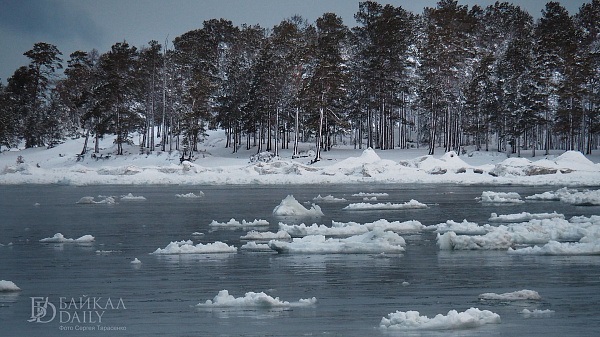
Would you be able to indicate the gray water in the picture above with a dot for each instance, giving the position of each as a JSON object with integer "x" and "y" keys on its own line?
{"x": 353, "y": 291}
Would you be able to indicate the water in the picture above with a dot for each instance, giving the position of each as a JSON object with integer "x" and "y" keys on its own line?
{"x": 354, "y": 291}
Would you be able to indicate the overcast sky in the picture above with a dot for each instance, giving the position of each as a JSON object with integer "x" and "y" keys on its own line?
{"x": 87, "y": 24}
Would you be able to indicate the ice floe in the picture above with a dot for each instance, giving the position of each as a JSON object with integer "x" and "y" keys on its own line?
{"x": 372, "y": 242}
{"x": 361, "y": 206}
{"x": 521, "y": 295}
{"x": 291, "y": 207}
{"x": 569, "y": 196}
{"x": 523, "y": 216}
{"x": 560, "y": 248}
{"x": 489, "y": 197}
{"x": 8, "y": 286}
{"x": 136, "y": 261}
{"x": 461, "y": 228}
{"x": 59, "y": 238}
{"x": 252, "y": 246}
{"x": 233, "y": 223}
{"x": 454, "y": 320}
{"x": 188, "y": 247}
{"x": 131, "y": 197}
{"x": 90, "y": 200}
{"x": 328, "y": 198}
{"x": 266, "y": 236}
{"x": 537, "y": 313}
{"x": 343, "y": 229}
{"x": 371, "y": 195}
{"x": 253, "y": 300}
{"x": 190, "y": 195}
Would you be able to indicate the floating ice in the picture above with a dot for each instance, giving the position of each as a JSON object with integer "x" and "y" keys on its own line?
{"x": 524, "y": 216}
{"x": 59, "y": 238}
{"x": 8, "y": 286}
{"x": 131, "y": 197}
{"x": 328, "y": 198}
{"x": 372, "y": 242}
{"x": 136, "y": 261}
{"x": 570, "y": 196}
{"x": 490, "y": 241}
{"x": 369, "y": 195}
{"x": 521, "y": 295}
{"x": 266, "y": 236}
{"x": 190, "y": 195}
{"x": 537, "y": 313}
{"x": 489, "y": 197}
{"x": 253, "y": 300}
{"x": 412, "y": 320}
{"x": 233, "y": 223}
{"x": 551, "y": 196}
{"x": 361, "y": 206}
{"x": 462, "y": 228}
{"x": 256, "y": 247}
{"x": 187, "y": 247}
{"x": 341, "y": 229}
{"x": 90, "y": 200}
{"x": 561, "y": 248}
{"x": 291, "y": 207}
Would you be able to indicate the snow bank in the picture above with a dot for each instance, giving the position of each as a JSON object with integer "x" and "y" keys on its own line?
{"x": 537, "y": 313}
{"x": 252, "y": 300}
{"x": 59, "y": 238}
{"x": 523, "y": 216}
{"x": 188, "y": 247}
{"x": 361, "y": 206}
{"x": 266, "y": 236}
{"x": 8, "y": 286}
{"x": 90, "y": 200}
{"x": 521, "y": 295}
{"x": 560, "y": 248}
{"x": 291, "y": 207}
{"x": 233, "y": 223}
{"x": 344, "y": 229}
{"x": 489, "y": 197}
{"x": 412, "y": 320}
{"x": 372, "y": 242}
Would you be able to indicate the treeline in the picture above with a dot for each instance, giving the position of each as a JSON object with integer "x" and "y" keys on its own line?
{"x": 450, "y": 77}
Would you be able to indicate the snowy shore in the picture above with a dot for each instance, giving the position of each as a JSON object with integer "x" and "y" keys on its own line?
{"x": 216, "y": 165}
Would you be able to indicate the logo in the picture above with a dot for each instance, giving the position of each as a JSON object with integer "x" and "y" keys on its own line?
{"x": 40, "y": 309}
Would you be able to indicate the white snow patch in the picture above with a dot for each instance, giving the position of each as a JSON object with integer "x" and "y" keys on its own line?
{"x": 253, "y": 300}
{"x": 454, "y": 320}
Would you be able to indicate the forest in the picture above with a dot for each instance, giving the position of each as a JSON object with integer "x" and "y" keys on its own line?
{"x": 450, "y": 77}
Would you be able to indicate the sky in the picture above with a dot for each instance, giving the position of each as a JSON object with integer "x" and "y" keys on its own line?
{"x": 73, "y": 25}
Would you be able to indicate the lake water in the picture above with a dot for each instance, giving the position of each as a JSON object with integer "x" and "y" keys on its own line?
{"x": 158, "y": 297}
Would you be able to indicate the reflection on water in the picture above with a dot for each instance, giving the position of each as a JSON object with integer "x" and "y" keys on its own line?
{"x": 353, "y": 291}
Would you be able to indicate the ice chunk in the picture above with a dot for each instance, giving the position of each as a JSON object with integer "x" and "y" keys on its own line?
{"x": 412, "y": 320}
{"x": 361, "y": 206}
{"x": 266, "y": 236}
{"x": 561, "y": 248}
{"x": 190, "y": 195}
{"x": 520, "y": 295}
{"x": 59, "y": 238}
{"x": 537, "y": 313}
{"x": 90, "y": 200}
{"x": 462, "y": 228}
{"x": 489, "y": 197}
{"x": 136, "y": 261}
{"x": 8, "y": 286}
{"x": 131, "y": 197}
{"x": 328, "y": 198}
{"x": 256, "y": 247}
{"x": 341, "y": 229}
{"x": 233, "y": 223}
{"x": 253, "y": 300}
{"x": 187, "y": 247}
{"x": 370, "y": 195}
{"x": 291, "y": 207}
{"x": 524, "y": 216}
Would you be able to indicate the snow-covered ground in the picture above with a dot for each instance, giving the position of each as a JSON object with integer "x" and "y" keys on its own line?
{"x": 215, "y": 164}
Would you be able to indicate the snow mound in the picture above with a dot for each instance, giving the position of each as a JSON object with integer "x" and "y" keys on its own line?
{"x": 537, "y": 313}
{"x": 233, "y": 223}
{"x": 521, "y": 295}
{"x": 412, "y": 320}
{"x": 291, "y": 207}
{"x": 372, "y": 242}
{"x": 253, "y": 300}
{"x": 266, "y": 236}
{"x": 8, "y": 286}
{"x": 575, "y": 160}
{"x": 59, "y": 238}
{"x": 450, "y": 161}
{"x": 126, "y": 170}
{"x": 131, "y": 197}
{"x": 188, "y": 247}
{"x": 361, "y": 206}
{"x": 489, "y": 197}
{"x": 90, "y": 200}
